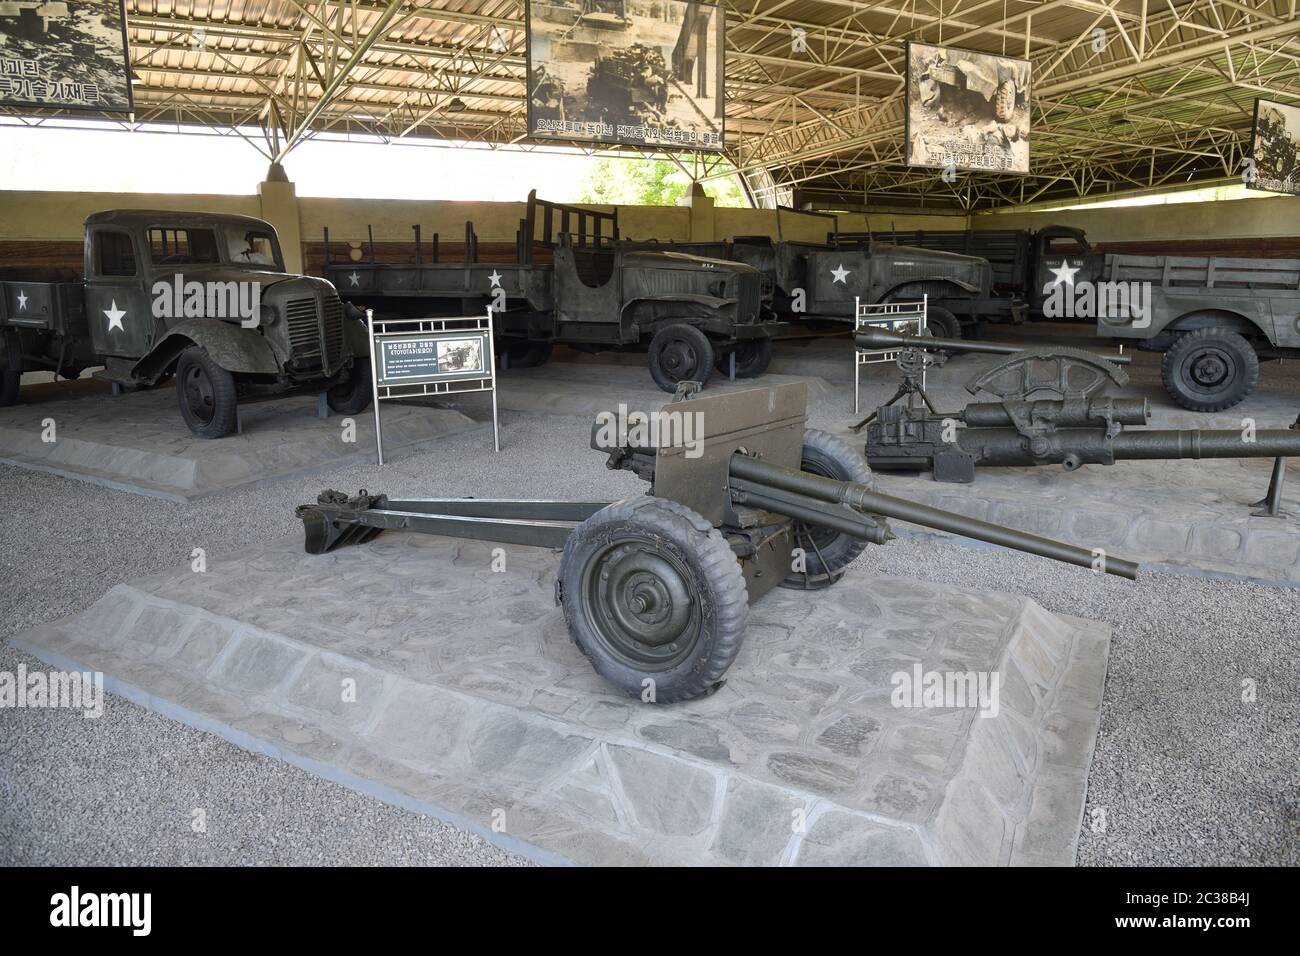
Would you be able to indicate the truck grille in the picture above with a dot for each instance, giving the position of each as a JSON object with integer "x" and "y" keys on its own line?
{"x": 748, "y": 293}
{"x": 315, "y": 337}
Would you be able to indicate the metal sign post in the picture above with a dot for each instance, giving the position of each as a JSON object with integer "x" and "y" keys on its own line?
{"x": 412, "y": 358}
{"x": 907, "y": 318}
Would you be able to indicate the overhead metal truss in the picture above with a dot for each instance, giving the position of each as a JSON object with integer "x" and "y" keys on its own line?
{"x": 1161, "y": 96}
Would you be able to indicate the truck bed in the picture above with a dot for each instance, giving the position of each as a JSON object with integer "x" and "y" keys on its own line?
{"x": 1204, "y": 272}
{"x": 58, "y": 307}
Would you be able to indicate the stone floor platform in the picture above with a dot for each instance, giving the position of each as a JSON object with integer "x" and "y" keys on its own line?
{"x": 137, "y": 442}
{"x": 410, "y": 668}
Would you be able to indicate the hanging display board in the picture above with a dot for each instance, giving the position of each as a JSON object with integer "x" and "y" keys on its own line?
{"x": 69, "y": 54}
{"x": 631, "y": 72}
{"x": 1274, "y": 162}
{"x": 966, "y": 110}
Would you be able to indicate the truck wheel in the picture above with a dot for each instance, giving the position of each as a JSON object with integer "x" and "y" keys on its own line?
{"x": 655, "y": 598}
{"x": 680, "y": 353}
{"x": 1210, "y": 369}
{"x": 206, "y": 392}
{"x": 354, "y": 395}
{"x": 752, "y": 359}
{"x": 942, "y": 323}
{"x": 826, "y": 553}
{"x": 1004, "y": 101}
{"x": 524, "y": 354}
{"x": 9, "y": 382}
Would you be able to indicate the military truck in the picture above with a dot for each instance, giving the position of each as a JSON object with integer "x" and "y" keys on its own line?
{"x": 200, "y": 296}
{"x": 689, "y": 312}
{"x": 1023, "y": 260}
{"x": 1214, "y": 318}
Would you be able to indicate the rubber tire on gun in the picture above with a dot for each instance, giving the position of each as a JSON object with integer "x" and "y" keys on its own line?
{"x": 655, "y": 599}
{"x": 680, "y": 353}
{"x": 206, "y": 393}
{"x": 826, "y": 553}
{"x": 1210, "y": 369}
{"x": 752, "y": 359}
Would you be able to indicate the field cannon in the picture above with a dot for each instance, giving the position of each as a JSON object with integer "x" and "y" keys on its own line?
{"x": 1049, "y": 406}
{"x": 656, "y": 588}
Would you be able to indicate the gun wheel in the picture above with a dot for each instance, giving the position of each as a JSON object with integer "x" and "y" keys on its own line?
{"x": 655, "y": 599}
{"x": 826, "y": 553}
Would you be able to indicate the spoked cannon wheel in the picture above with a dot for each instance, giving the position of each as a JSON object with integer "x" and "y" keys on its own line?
{"x": 826, "y": 553}
{"x": 655, "y": 598}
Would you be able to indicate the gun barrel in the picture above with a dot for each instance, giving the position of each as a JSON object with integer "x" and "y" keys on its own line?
{"x": 862, "y": 498}
{"x": 1063, "y": 414}
{"x": 1220, "y": 443}
{"x": 869, "y": 338}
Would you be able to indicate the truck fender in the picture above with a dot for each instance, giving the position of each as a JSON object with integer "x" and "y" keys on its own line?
{"x": 1216, "y": 319}
{"x": 356, "y": 330}
{"x": 231, "y": 346}
{"x": 957, "y": 285}
{"x": 708, "y": 301}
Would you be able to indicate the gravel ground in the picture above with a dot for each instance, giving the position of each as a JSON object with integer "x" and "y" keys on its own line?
{"x": 1186, "y": 772}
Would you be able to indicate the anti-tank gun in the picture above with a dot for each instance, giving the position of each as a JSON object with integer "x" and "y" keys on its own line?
{"x": 743, "y": 498}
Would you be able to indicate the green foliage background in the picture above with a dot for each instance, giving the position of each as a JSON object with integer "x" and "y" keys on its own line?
{"x": 651, "y": 182}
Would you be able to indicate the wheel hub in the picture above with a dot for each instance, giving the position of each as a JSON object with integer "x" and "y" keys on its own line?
{"x": 679, "y": 358}
{"x": 1209, "y": 369}
{"x": 198, "y": 394}
{"x": 641, "y": 601}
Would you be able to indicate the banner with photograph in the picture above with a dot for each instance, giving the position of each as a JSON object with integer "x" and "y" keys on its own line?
{"x": 1274, "y": 162}
{"x": 631, "y": 72}
{"x": 966, "y": 110}
{"x": 64, "y": 53}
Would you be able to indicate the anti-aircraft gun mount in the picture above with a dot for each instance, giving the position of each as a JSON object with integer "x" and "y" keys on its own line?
{"x": 656, "y": 588}
{"x": 1050, "y": 407}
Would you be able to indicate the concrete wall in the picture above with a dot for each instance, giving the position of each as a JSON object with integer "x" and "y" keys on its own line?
{"x": 57, "y": 216}
{"x": 1240, "y": 218}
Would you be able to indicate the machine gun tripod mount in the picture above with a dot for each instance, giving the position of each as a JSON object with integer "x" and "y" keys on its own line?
{"x": 1051, "y": 407}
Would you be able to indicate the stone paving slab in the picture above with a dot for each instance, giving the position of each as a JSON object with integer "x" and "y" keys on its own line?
{"x": 410, "y": 664}
{"x": 137, "y": 442}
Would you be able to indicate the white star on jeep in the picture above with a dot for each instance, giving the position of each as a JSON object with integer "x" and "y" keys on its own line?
{"x": 354, "y": 279}
{"x": 495, "y": 279}
{"x": 22, "y": 299}
{"x": 1064, "y": 272}
{"x": 841, "y": 274}
{"x": 114, "y": 316}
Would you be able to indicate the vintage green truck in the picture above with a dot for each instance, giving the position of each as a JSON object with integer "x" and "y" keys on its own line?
{"x": 200, "y": 296}
{"x": 571, "y": 281}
